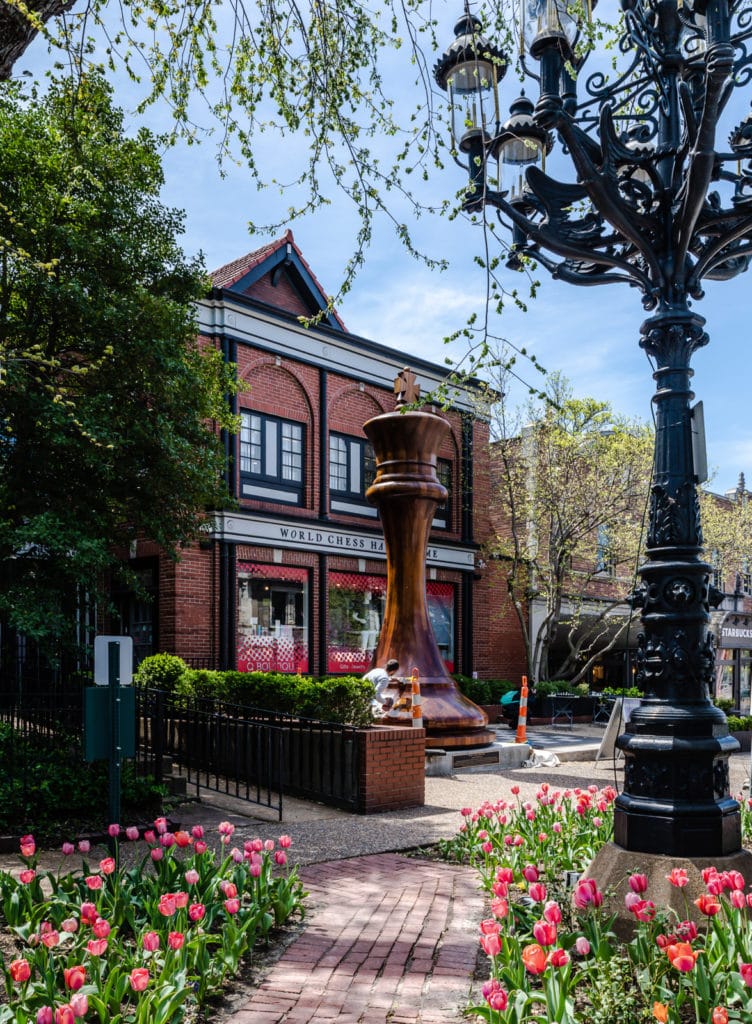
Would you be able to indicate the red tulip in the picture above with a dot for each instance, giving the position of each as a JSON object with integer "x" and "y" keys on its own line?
{"x": 534, "y": 959}
{"x": 19, "y": 970}
{"x": 682, "y": 956}
{"x": 544, "y": 932}
{"x": 719, "y": 1015}
{"x": 558, "y": 957}
{"x": 707, "y": 904}
{"x": 75, "y": 977}
{"x": 678, "y": 877}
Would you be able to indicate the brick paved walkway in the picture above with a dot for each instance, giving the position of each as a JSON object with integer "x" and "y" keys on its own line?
{"x": 390, "y": 940}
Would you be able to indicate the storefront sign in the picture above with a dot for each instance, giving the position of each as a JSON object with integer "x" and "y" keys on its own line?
{"x": 250, "y": 529}
{"x": 736, "y": 633}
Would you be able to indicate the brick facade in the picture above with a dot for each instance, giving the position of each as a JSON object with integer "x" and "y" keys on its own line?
{"x": 306, "y": 549}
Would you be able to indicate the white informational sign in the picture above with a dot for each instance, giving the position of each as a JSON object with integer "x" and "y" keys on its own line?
{"x": 620, "y": 715}
{"x": 102, "y": 659}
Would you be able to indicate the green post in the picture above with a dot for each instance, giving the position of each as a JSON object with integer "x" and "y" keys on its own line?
{"x": 113, "y": 656}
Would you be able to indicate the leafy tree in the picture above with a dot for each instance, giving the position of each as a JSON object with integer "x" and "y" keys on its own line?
{"x": 727, "y": 531}
{"x": 108, "y": 407}
{"x": 571, "y": 481}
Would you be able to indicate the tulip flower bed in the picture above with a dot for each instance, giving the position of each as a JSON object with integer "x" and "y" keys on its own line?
{"x": 144, "y": 944}
{"x": 552, "y": 954}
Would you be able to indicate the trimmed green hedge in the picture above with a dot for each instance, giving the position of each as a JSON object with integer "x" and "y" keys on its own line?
{"x": 483, "y": 691}
{"x": 344, "y": 699}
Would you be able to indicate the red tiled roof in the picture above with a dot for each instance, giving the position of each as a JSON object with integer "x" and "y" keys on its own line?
{"x": 230, "y": 273}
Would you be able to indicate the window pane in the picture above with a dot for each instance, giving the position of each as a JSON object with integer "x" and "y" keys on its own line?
{"x": 272, "y": 469}
{"x": 272, "y": 618}
{"x": 355, "y": 467}
{"x": 356, "y": 611}
{"x": 369, "y": 465}
{"x": 337, "y": 464}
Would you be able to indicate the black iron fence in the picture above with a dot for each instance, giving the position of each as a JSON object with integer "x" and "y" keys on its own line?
{"x": 244, "y": 752}
{"x": 250, "y": 753}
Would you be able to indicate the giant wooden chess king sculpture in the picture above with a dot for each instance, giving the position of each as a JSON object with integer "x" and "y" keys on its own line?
{"x": 407, "y": 491}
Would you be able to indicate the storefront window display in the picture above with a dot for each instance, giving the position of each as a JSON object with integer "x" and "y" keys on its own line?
{"x": 356, "y": 612}
{"x": 734, "y": 661}
{"x": 272, "y": 618}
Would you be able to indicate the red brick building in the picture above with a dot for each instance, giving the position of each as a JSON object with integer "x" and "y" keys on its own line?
{"x": 294, "y": 577}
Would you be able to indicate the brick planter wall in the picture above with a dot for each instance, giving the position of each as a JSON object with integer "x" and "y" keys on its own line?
{"x": 392, "y": 768}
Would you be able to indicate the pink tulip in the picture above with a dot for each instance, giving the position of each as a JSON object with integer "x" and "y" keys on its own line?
{"x": 51, "y": 939}
{"x": 97, "y": 947}
{"x": 500, "y": 907}
{"x": 65, "y": 1015}
{"x": 167, "y": 839}
{"x": 45, "y": 1015}
{"x": 491, "y": 944}
{"x": 281, "y": 857}
{"x": 196, "y": 911}
{"x": 131, "y": 833}
{"x": 197, "y": 832}
{"x": 89, "y": 912}
{"x": 167, "y": 904}
{"x": 70, "y": 924}
{"x": 558, "y": 957}
{"x": 157, "y": 854}
{"x": 139, "y": 978}
{"x": 582, "y": 946}
{"x": 552, "y": 912}
{"x": 229, "y": 889}
{"x": 160, "y": 824}
{"x": 28, "y": 846}
{"x": 678, "y": 877}
{"x": 84, "y": 846}
{"x": 27, "y": 877}
{"x": 232, "y": 906}
{"x": 107, "y": 866}
{"x": 101, "y": 928}
{"x": 113, "y": 831}
{"x": 638, "y": 883}
{"x": 530, "y": 873}
{"x": 67, "y": 850}
{"x": 537, "y": 892}
{"x": 746, "y": 972}
{"x": 93, "y": 882}
{"x": 80, "y": 1004}
{"x": 285, "y": 842}
{"x": 150, "y": 941}
{"x": 181, "y": 899}
{"x": 200, "y": 846}
{"x": 175, "y": 940}
{"x": 191, "y": 876}
{"x": 544, "y": 933}
{"x": 150, "y": 836}
{"x": 254, "y": 870}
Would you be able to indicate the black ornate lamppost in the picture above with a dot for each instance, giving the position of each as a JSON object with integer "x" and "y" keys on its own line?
{"x": 657, "y": 204}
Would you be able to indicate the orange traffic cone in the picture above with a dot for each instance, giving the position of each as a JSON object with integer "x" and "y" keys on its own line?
{"x": 521, "y": 736}
{"x": 416, "y": 701}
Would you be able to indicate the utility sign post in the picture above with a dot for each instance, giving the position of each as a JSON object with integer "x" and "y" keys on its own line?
{"x": 110, "y": 714}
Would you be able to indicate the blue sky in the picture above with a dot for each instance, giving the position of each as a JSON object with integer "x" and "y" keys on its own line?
{"x": 590, "y": 334}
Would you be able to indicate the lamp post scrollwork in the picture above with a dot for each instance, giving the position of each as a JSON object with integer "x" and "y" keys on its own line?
{"x": 659, "y": 204}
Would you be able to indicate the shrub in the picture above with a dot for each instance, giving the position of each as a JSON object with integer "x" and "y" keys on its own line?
{"x": 45, "y": 786}
{"x": 483, "y": 691}
{"x": 739, "y": 723}
{"x": 724, "y": 703}
{"x": 344, "y": 699}
{"x": 161, "y": 672}
{"x": 548, "y": 686}
{"x": 623, "y": 691}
